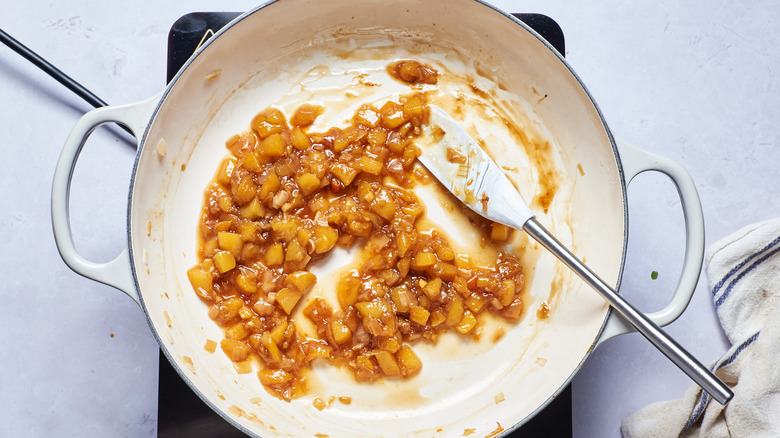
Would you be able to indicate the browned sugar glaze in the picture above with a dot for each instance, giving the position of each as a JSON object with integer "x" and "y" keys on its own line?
{"x": 284, "y": 197}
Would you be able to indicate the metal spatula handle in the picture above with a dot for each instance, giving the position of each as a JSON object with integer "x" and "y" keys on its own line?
{"x": 668, "y": 346}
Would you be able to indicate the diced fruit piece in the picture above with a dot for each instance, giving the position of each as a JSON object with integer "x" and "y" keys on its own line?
{"x": 414, "y": 109}
{"x": 270, "y": 346}
{"x": 306, "y": 114}
{"x": 246, "y": 313}
{"x": 269, "y": 187}
{"x": 471, "y": 283}
{"x": 418, "y": 315}
{"x": 237, "y": 332}
{"x": 402, "y": 298}
{"x": 201, "y": 281}
{"x": 317, "y": 349}
{"x": 359, "y": 227}
{"x": 224, "y": 261}
{"x": 271, "y": 376}
{"x": 390, "y": 345}
{"x": 467, "y": 323}
{"x": 243, "y": 367}
{"x": 378, "y": 317}
{"x": 403, "y": 266}
{"x": 514, "y": 310}
{"x": 244, "y": 190}
{"x": 437, "y": 317}
{"x": 277, "y": 334}
{"x": 499, "y": 232}
{"x": 370, "y": 165}
{"x": 404, "y": 241}
{"x": 228, "y": 309}
{"x": 308, "y": 183}
{"x": 246, "y": 283}
{"x": 392, "y": 115}
{"x": 272, "y": 146}
{"x": 300, "y": 140}
{"x": 348, "y": 288}
{"x": 363, "y": 363}
{"x": 288, "y": 298}
{"x": 268, "y": 122}
{"x": 235, "y": 350}
{"x": 432, "y": 289}
{"x": 262, "y": 307}
{"x": 225, "y": 171}
{"x": 301, "y": 280}
{"x": 372, "y": 309}
{"x": 341, "y": 333}
{"x": 365, "y": 192}
{"x": 285, "y": 228}
{"x": 275, "y": 255}
{"x": 423, "y": 260}
{"x": 409, "y": 362}
{"x": 295, "y": 252}
{"x": 383, "y": 205}
{"x": 253, "y": 210}
{"x": 230, "y": 242}
{"x": 251, "y": 162}
{"x": 324, "y": 238}
{"x": 455, "y": 311}
{"x": 506, "y": 292}
{"x": 444, "y": 253}
{"x": 377, "y": 137}
{"x": 447, "y": 271}
{"x": 210, "y": 346}
{"x": 475, "y": 302}
{"x": 344, "y": 173}
{"x": 367, "y": 115}
{"x": 387, "y": 363}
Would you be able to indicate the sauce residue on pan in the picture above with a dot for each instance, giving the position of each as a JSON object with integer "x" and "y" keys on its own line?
{"x": 365, "y": 82}
{"x": 287, "y": 195}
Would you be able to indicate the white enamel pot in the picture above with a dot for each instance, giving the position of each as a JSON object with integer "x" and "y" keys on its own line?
{"x": 464, "y": 387}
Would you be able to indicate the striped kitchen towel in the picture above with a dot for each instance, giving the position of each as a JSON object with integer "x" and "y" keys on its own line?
{"x": 744, "y": 277}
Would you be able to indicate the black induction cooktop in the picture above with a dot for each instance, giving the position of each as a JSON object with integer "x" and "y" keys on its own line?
{"x": 180, "y": 412}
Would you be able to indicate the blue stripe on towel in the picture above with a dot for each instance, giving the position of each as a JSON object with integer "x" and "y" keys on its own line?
{"x": 731, "y": 285}
{"x": 739, "y": 349}
{"x": 705, "y": 397}
{"x": 720, "y": 284}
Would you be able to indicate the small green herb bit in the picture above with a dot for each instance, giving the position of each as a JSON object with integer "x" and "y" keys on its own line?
{"x": 654, "y": 275}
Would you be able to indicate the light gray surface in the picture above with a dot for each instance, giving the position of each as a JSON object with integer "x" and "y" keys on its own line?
{"x": 694, "y": 81}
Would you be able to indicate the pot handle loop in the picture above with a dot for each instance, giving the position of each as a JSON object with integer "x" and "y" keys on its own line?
{"x": 117, "y": 272}
{"x": 636, "y": 161}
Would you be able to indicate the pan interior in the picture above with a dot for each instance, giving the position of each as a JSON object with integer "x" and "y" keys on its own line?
{"x": 295, "y": 51}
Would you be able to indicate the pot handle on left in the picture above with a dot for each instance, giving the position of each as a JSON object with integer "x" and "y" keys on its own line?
{"x": 117, "y": 272}
{"x": 634, "y": 162}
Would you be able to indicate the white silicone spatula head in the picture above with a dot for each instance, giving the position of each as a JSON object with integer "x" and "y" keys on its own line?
{"x": 466, "y": 170}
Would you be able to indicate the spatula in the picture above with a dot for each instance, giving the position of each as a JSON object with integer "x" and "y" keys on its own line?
{"x": 466, "y": 170}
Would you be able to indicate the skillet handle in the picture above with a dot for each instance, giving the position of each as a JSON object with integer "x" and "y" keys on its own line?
{"x": 117, "y": 272}
{"x": 636, "y": 161}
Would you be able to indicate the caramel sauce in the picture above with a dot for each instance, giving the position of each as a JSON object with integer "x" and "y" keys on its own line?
{"x": 285, "y": 197}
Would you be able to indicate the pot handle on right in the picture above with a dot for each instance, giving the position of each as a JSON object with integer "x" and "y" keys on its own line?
{"x": 634, "y": 162}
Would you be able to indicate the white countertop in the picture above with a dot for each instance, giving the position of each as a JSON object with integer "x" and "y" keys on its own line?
{"x": 694, "y": 81}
